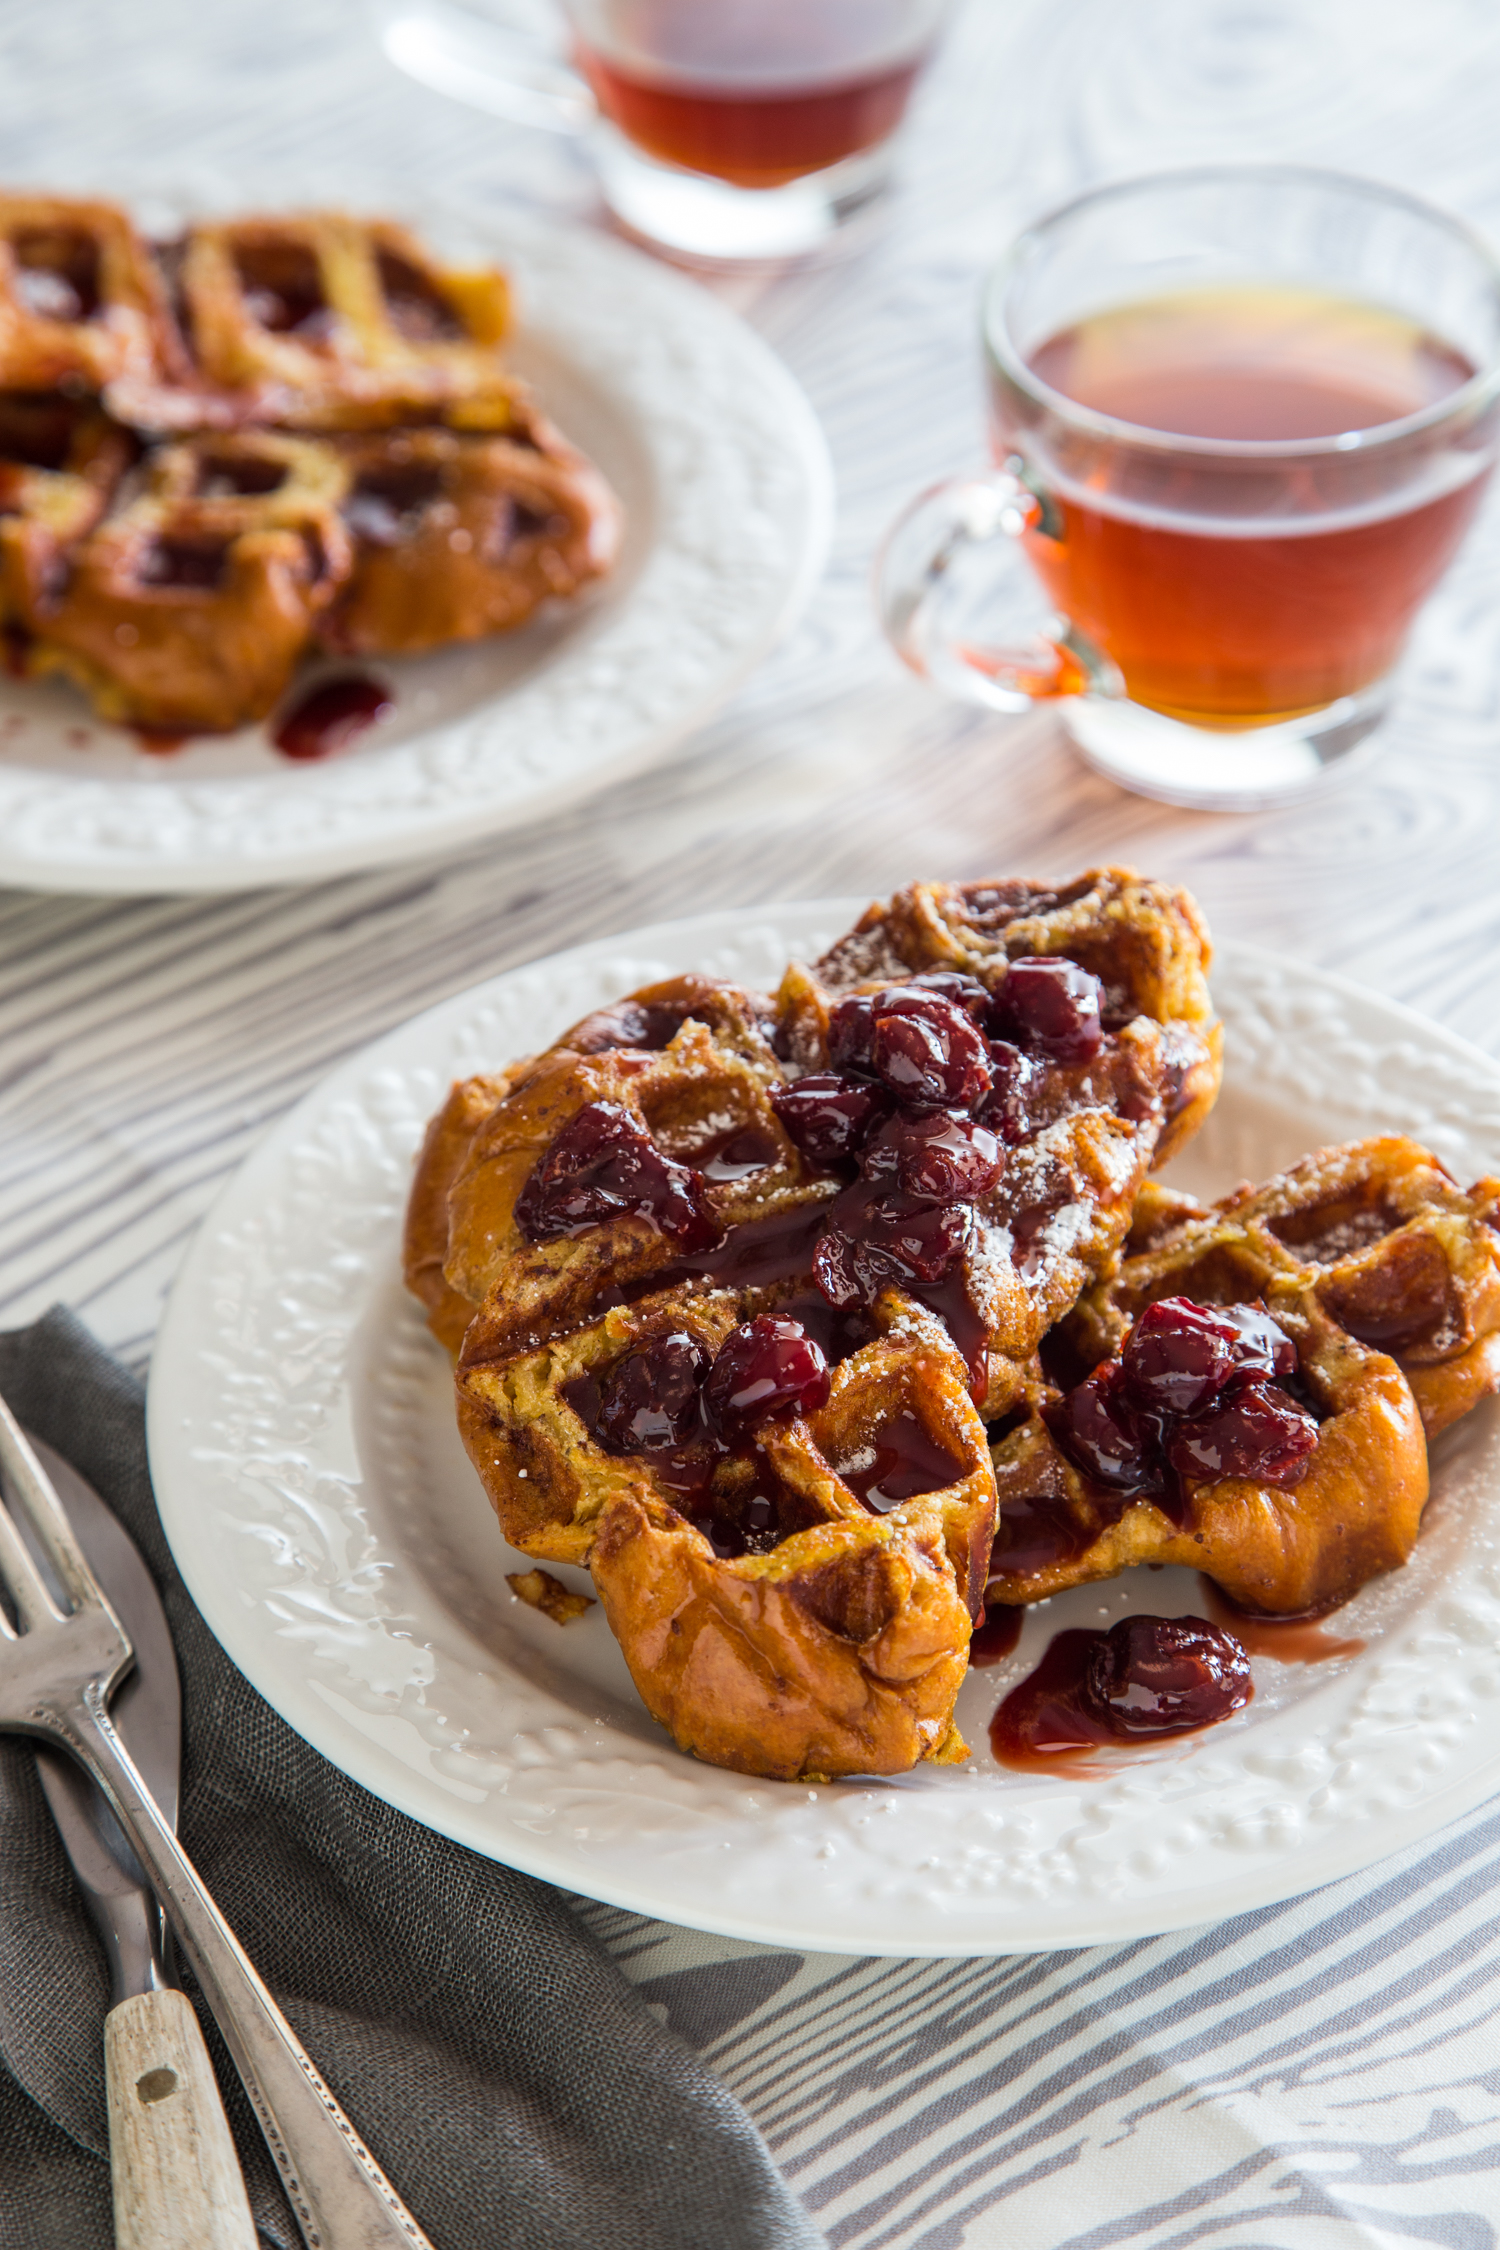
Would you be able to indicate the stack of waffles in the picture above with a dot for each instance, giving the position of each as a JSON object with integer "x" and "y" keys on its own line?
{"x": 815, "y": 1324}
{"x": 275, "y": 435}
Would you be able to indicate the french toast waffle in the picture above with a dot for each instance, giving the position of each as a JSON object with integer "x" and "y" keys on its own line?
{"x": 733, "y": 1279}
{"x": 275, "y": 429}
{"x": 459, "y": 535}
{"x": 187, "y": 606}
{"x": 61, "y": 461}
{"x": 1368, "y": 1288}
{"x": 81, "y": 301}
{"x": 321, "y": 321}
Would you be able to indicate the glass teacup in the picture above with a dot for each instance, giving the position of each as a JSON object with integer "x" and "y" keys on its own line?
{"x": 1243, "y": 417}
{"x": 721, "y": 129}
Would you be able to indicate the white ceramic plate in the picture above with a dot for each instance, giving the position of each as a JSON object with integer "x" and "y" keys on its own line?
{"x": 322, "y": 1510}
{"x": 728, "y": 491}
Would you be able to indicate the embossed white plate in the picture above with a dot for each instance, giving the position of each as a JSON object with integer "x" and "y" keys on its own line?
{"x": 323, "y": 1513}
{"x": 728, "y": 495}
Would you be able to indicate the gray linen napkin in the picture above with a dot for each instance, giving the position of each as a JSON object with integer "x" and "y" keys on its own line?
{"x": 516, "y": 2089}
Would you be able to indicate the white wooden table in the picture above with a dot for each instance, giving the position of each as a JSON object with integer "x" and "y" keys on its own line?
{"x": 1124, "y": 2098}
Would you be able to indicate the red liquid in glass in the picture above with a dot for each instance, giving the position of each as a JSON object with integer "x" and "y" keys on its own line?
{"x": 751, "y": 137}
{"x": 1162, "y": 566}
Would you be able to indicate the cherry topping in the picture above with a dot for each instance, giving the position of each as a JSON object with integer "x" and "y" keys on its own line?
{"x": 892, "y": 1238}
{"x": 766, "y": 1366}
{"x": 1164, "y": 1675}
{"x": 1104, "y": 1435}
{"x": 604, "y": 1163}
{"x": 1053, "y": 1006}
{"x": 920, "y": 1041}
{"x": 650, "y": 1400}
{"x": 1007, "y": 1109}
{"x": 1179, "y": 1355}
{"x": 935, "y": 1154}
{"x": 851, "y": 1032}
{"x": 828, "y": 1116}
{"x": 928, "y": 1051}
{"x": 1254, "y": 1431}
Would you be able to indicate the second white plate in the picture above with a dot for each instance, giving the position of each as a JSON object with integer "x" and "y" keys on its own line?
{"x": 728, "y": 494}
{"x": 331, "y": 1529}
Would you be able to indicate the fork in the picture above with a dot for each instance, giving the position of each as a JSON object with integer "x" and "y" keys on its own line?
{"x": 59, "y": 1666}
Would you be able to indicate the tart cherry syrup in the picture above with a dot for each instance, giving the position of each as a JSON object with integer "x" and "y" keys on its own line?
{"x": 1145, "y": 1679}
{"x": 329, "y": 716}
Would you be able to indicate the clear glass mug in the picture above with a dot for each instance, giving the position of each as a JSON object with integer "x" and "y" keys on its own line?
{"x": 1218, "y": 616}
{"x": 722, "y": 129}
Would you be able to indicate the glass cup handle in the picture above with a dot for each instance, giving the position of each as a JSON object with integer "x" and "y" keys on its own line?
{"x": 514, "y": 68}
{"x": 959, "y": 604}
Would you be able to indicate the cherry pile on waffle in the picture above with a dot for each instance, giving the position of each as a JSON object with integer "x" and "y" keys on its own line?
{"x": 272, "y": 437}
{"x": 815, "y": 1324}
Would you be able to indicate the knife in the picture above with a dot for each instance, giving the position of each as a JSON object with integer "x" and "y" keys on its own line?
{"x": 177, "y": 2182}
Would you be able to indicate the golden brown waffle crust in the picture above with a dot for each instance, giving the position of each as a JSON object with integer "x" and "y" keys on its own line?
{"x": 841, "y": 1647}
{"x": 1365, "y": 1244}
{"x": 424, "y": 499}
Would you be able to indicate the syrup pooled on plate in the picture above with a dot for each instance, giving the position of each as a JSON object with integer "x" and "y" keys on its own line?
{"x": 327, "y": 719}
{"x": 1146, "y": 1678}
{"x": 1240, "y": 592}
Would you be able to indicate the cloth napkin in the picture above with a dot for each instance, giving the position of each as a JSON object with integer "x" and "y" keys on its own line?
{"x": 515, "y": 2088}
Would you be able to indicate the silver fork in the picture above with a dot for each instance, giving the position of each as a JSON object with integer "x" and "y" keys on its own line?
{"x": 57, "y": 1673}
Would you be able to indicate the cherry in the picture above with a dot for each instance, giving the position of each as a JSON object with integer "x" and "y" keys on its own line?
{"x": 1260, "y": 1345}
{"x": 1013, "y": 1075}
{"x": 935, "y": 1154}
{"x": 766, "y": 1366}
{"x": 957, "y": 985}
{"x": 927, "y": 1051}
{"x": 1103, "y": 1434}
{"x": 604, "y": 1163}
{"x": 1163, "y": 1675}
{"x": 889, "y": 1238}
{"x": 1052, "y": 1005}
{"x": 1179, "y": 1355}
{"x": 1254, "y": 1430}
{"x": 650, "y": 1400}
{"x": 918, "y": 1039}
{"x": 851, "y": 1032}
{"x": 828, "y": 1117}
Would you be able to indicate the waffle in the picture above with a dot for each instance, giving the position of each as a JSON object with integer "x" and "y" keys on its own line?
{"x": 81, "y": 301}
{"x": 1383, "y": 1278}
{"x": 320, "y": 321}
{"x": 187, "y": 607}
{"x": 612, "y": 1232}
{"x": 61, "y": 460}
{"x": 461, "y": 535}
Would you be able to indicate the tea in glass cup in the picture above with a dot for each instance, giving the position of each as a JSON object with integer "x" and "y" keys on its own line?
{"x": 1243, "y": 418}
{"x": 722, "y": 129}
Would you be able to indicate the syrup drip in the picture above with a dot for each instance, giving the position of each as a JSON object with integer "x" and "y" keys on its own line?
{"x": 328, "y": 717}
{"x": 1043, "y": 1724}
{"x": 904, "y": 1462}
{"x": 996, "y": 1634}
{"x": 1291, "y": 1640}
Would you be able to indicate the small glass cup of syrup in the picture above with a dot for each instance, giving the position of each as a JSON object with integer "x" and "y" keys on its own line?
{"x": 1242, "y": 417}
{"x": 722, "y": 129}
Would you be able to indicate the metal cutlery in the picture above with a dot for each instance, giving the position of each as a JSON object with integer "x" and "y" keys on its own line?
{"x": 175, "y": 2172}
{"x": 63, "y": 1653}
